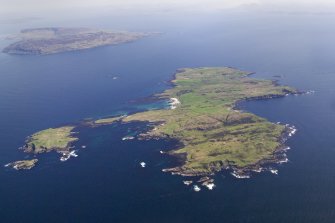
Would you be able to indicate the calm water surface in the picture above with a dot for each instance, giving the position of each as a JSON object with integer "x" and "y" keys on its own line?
{"x": 106, "y": 184}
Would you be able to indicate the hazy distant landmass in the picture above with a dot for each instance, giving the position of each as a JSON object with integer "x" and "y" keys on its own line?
{"x": 57, "y": 39}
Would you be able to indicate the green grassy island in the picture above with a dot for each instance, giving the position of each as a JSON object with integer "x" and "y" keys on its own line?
{"x": 52, "y": 139}
{"x": 23, "y": 164}
{"x": 58, "y": 139}
{"x": 213, "y": 133}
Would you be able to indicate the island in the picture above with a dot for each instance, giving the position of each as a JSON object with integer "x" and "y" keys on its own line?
{"x": 203, "y": 115}
{"x": 214, "y": 134}
{"x": 57, "y": 139}
{"x": 53, "y": 40}
{"x": 23, "y": 164}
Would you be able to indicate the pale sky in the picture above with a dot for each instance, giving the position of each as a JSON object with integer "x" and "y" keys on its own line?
{"x": 33, "y": 6}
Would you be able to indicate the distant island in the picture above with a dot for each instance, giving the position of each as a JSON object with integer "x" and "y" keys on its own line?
{"x": 53, "y": 40}
{"x": 203, "y": 117}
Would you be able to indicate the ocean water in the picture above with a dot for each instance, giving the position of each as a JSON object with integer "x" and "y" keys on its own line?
{"x": 106, "y": 183}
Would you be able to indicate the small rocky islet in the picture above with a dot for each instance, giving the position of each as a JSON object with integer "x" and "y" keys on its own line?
{"x": 23, "y": 164}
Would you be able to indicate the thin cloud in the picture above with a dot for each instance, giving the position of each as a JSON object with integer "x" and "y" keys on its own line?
{"x": 42, "y": 5}
{"x": 36, "y": 6}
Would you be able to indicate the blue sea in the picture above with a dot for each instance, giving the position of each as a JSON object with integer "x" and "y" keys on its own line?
{"x": 105, "y": 183}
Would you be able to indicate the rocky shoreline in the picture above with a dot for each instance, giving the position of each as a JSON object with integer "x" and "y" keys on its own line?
{"x": 278, "y": 157}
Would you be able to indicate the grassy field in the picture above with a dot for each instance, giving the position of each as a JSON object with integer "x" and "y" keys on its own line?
{"x": 107, "y": 120}
{"x": 215, "y": 135}
{"x": 50, "y": 139}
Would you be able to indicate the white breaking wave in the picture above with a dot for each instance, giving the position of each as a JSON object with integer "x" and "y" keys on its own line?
{"x": 240, "y": 176}
{"x": 174, "y": 102}
{"x": 210, "y": 186}
{"x": 128, "y": 138}
{"x": 67, "y": 155}
{"x": 274, "y": 171}
{"x": 187, "y": 182}
{"x": 196, "y": 188}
